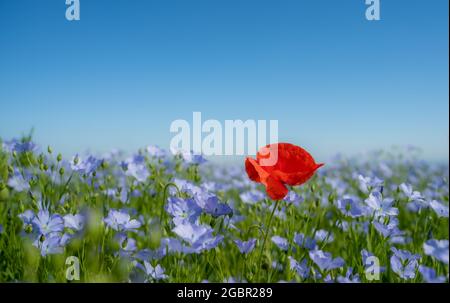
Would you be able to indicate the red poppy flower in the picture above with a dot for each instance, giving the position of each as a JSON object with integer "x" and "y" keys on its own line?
{"x": 292, "y": 166}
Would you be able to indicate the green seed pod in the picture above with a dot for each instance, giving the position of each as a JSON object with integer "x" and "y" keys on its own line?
{"x": 125, "y": 243}
{"x": 61, "y": 171}
{"x": 41, "y": 159}
{"x": 104, "y": 165}
{"x": 10, "y": 169}
{"x": 49, "y": 149}
{"x": 28, "y": 229}
{"x": 33, "y": 182}
{"x": 331, "y": 198}
{"x": 59, "y": 158}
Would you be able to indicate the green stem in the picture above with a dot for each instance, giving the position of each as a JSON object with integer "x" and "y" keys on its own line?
{"x": 164, "y": 199}
{"x": 266, "y": 234}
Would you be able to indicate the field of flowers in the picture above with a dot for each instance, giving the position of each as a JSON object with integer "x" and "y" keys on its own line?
{"x": 156, "y": 217}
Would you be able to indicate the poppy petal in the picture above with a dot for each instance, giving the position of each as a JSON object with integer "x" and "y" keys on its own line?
{"x": 298, "y": 178}
{"x": 254, "y": 171}
{"x": 275, "y": 189}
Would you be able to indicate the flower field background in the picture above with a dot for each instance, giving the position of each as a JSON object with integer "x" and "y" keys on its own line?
{"x": 156, "y": 217}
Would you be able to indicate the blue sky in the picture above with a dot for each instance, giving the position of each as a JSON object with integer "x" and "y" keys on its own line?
{"x": 119, "y": 76}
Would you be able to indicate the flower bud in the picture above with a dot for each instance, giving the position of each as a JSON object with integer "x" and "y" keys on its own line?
{"x": 49, "y": 149}
{"x": 59, "y": 158}
{"x": 41, "y": 159}
{"x": 28, "y": 228}
{"x": 104, "y": 164}
{"x": 125, "y": 243}
{"x": 61, "y": 171}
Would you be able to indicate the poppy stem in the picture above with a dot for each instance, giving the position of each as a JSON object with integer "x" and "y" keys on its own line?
{"x": 266, "y": 234}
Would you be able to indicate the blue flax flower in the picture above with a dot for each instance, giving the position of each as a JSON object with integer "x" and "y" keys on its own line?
{"x": 440, "y": 209}
{"x": 437, "y": 249}
{"x": 48, "y": 224}
{"x": 322, "y": 235}
{"x": 152, "y": 273}
{"x": 245, "y": 247}
{"x": 305, "y": 242}
{"x": 183, "y": 210}
{"x": 404, "y": 263}
{"x": 18, "y": 146}
{"x": 127, "y": 245}
{"x": 429, "y": 275}
{"x": 200, "y": 237}
{"x": 388, "y": 230}
{"x": 215, "y": 208}
{"x": 156, "y": 152}
{"x": 252, "y": 196}
{"x": 120, "y": 220}
{"x": 294, "y": 198}
{"x": 281, "y": 242}
{"x": 367, "y": 184}
{"x": 86, "y": 166}
{"x": 325, "y": 260}
{"x": 380, "y": 206}
{"x": 301, "y": 268}
{"x": 349, "y": 277}
{"x": 18, "y": 182}
{"x": 349, "y": 206}
{"x": 74, "y": 222}
{"x": 49, "y": 245}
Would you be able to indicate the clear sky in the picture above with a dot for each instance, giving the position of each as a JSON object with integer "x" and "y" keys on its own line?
{"x": 119, "y": 76}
